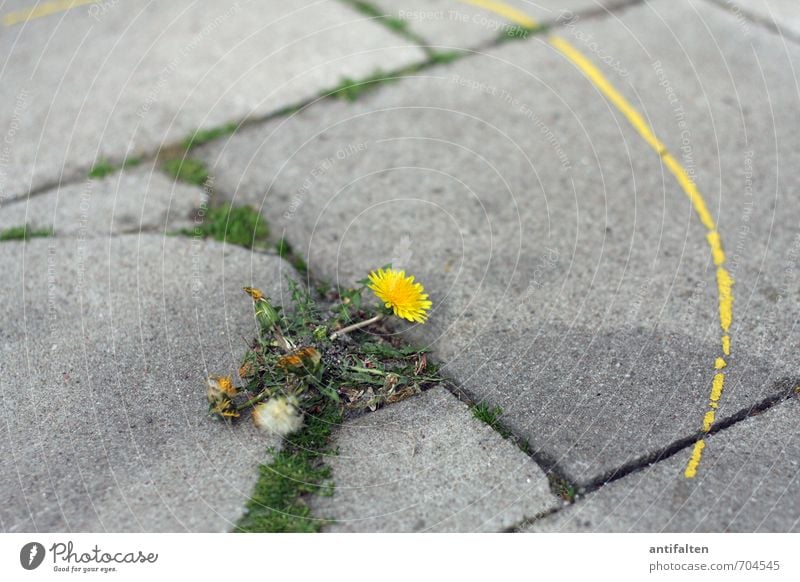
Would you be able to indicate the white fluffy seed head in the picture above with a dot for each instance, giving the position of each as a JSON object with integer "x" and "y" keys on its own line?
{"x": 278, "y": 415}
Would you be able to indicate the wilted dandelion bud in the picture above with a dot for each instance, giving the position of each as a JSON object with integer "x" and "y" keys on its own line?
{"x": 223, "y": 408}
{"x": 219, "y": 387}
{"x": 266, "y": 314}
{"x": 304, "y": 361}
{"x": 278, "y": 415}
{"x": 219, "y": 391}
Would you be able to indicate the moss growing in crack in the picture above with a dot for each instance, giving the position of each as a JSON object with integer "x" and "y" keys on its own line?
{"x": 396, "y": 25}
{"x": 350, "y": 90}
{"x": 561, "y": 487}
{"x": 104, "y": 168}
{"x": 297, "y": 470}
{"x": 491, "y": 416}
{"x": 286, "y": 252}
{"x": 238, "y": 225}
{"x": 204, "y": 136}
{"x": 517, "y": 32}
{"x": 187, "y": 170}
{"x": 445, "y": 57}
{"x": 25, "y": 232}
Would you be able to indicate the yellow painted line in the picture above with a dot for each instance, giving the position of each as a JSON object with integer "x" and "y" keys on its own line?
{"x": 716, "y": 389}
{"x": 691, "y": 190}
{"x": 42, "y": 9}
{"x": 725, "y": 287}
{"x": 716, "y": 247}
{"x": 694, "y": 460}
{"x": 724, "y": 279}
{"x": 508, "y": 12}
{"x": 599, "y": 80}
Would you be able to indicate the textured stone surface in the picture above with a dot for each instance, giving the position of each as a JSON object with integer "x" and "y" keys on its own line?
{"x": 747, "y": 483}
{"x": 572, "y": 281}
{"x": 104, "y": 348}
{"x": 426, "y": 464}
{"x": 128, "y": 201}
{"x": 103, "y": 81}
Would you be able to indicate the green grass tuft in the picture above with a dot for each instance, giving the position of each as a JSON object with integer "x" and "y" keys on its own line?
{"x": 297, "y": 469}
{"x": 24, "y": 233}
{"x": 187, "y": 170}
{"x": 238, "y": 225}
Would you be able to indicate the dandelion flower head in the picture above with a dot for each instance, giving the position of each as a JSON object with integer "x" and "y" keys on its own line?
{"x": 406, "y": 298}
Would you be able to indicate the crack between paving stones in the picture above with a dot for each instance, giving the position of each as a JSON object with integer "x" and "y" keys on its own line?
{"x": 756, "y": 19}
{"x": 787, "y": 388}
{"x": 548, "y": 464}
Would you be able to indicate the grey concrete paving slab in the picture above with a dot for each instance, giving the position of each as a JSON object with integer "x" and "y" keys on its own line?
{"x": 783, "y": 15}
{"x": 105, "y": 345}
{"x": 136, "y": 200}
{"x": 572, "y": 281}
{"x": 116, "y": 78}
{"x": 426, "y": 464}
{"x": 463, "y": 24}
{"x": 748, "y": 484}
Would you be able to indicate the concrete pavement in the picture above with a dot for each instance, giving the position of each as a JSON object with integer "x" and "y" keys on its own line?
{"x": 574, "y": 281}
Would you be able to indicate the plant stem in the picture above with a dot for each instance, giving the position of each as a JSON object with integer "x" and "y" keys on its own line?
{"x": 368, "y": 370}
{"x": 356, "y": 326}
{"x": 256, "y": 399}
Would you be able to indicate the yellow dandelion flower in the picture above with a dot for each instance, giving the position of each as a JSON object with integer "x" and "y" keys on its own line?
{"x": 406, "y": 298}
